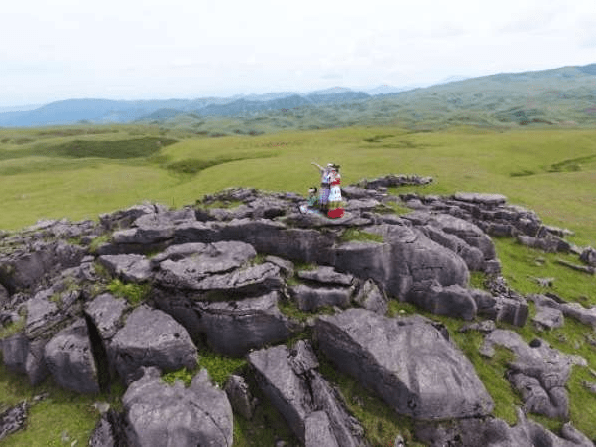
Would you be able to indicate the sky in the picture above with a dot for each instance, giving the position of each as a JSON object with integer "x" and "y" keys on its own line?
{"x": 122, "y": 49}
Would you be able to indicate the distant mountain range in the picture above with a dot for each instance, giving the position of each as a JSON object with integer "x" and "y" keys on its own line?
{"x": 99, "y": 111}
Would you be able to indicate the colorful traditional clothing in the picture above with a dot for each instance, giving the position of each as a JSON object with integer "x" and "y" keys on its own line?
{"x": 335, "y": 209}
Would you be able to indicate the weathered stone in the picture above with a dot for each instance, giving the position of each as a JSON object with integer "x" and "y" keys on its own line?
{"x": 311, "y": 298}
{"x": 326, "y": 275}
{"x": 539, "y": 372}
{"x": 296, "y": 389}
{"x": 109, "y": 431}
{"x": 286, "y": 266}
{"x": 550, "y": 244}
{"x": 240, "y": 396}
{"x": 361, "y": 204}
{"x": 106, "y": 313}
{"x": 171, "y": 415}
{"x": 552, "y": 403}
{"x": 317, "y": 431}
{"x": 494, "y": 432}
{"x": 4, "y": 296}
{"x": 129, "y": 267}
{"x": 467, "y": 231}
{"x": 26, "y": 268}
{"x": 22, "y": 356}
{"x": 484, "y": 327}
{"x": 252, "y": 280}
{"x": 588, "y": 255}
{"x": 13, "y": 419}
{"x": 217, "y": 257}
{"x": 371, "y": 297}
{"x": 427, "y": 378}
{"x": 42, "y": 315}
{"x": 454, "y": 301}
{"x": 235, "y": 327}
{"x": 485, "y": 199}
{"x": 151, "y": 338}
{"x": 317, "y": 220}
{"x": 69, "y": 358}
{"x": 179, "y": 251}
{"x": 548, "y": 318}
{"x": 124, "y": 218}
{"x": 405, "y": 258}
{"x": 580, "y": 313}
{"x": 472, "y": 255}
{"x": 507, "y": 310}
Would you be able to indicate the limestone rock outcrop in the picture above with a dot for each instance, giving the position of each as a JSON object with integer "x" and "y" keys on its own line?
{"x": 237, "y": 274}
{"x": 426, "y": 378}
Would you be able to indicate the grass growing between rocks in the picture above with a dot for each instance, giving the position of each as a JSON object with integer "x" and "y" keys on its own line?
{"x": 380, "y": 422}
{"x": 520, "y": 264}
{"x": 135, "y": 294}
{"x": 62, "y": 418}
{"x": 353, "y": 234}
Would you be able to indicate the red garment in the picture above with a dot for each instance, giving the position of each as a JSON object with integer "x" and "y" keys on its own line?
{"x": 336, "y": 213}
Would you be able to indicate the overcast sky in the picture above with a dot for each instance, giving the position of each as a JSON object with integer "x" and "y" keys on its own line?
{"x": 121, "y": 49}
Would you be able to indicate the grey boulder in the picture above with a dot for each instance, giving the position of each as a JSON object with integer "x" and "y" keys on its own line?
{"x": 453, "y": 301}
{"x": 371, "y": 297}
{"x": 235, "y": 327}
{"x": 252, "y": 280}
{"x": 326, "y": 275}
{"x": 538, "y": 372}
{"x": 240, "y": 396}
{"x": 129, "y": 267}
{"x": 25, "y": 356}
{"x": 151, "y": 338}
{"x": 404, "y": 258}
{"x": 158, "y": 414}
{"x": 290, "y": 380}
{"x": 310, "y": 299}
{"x": 69, "y": 357}
{"x": 426, "y": 378}
{"x": 214, "y": 258}
{"x": 494, "y": 432}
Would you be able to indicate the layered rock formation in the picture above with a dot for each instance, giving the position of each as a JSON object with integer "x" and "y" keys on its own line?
{"x": 135, "y": 295}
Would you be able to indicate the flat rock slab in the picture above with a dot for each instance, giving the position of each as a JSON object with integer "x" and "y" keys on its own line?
{"x": 407, "y": 361}
{"x": 129, "y": 267}
{"x": 151, "y": 338}
{"x": 69, "y": 358}
{"x": 548, "y": 318}
{"x": 106, "y": 311}
{"x": 326, "y": 275}
{"x": 42, "y": 314}
{"x": 486, "y": 199}
{"x": 260, "y": 278}
{"x": 13, "y": 419}
{"x": 215, "y": 258}
{"x": 235, "y": 327}
{"x": 158, "y": 414}
{"x": 310, "y": 299}
{"x": 538, "y": 372}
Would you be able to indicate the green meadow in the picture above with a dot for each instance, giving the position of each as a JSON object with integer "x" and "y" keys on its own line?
{"x": 78, "y": 172}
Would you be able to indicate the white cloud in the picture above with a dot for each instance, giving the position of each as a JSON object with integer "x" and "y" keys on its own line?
{"x": 130, "y": 48}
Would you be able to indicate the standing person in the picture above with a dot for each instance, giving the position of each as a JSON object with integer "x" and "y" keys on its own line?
{"x": 325, "y": 186}
{"x": 335, "y": 204}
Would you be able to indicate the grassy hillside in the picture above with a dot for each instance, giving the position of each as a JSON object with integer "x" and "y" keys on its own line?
{"x": 80, "y": 171}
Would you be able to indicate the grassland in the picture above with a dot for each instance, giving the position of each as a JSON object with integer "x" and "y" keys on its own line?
{"x": 80, "y": 171}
